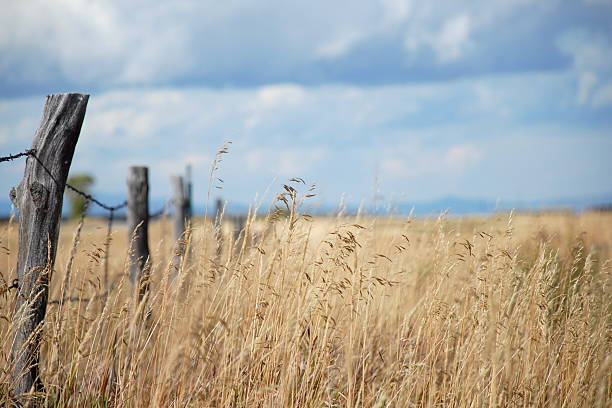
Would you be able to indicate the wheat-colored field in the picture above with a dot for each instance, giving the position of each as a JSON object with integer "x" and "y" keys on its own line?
{"x": 509, "y": 310}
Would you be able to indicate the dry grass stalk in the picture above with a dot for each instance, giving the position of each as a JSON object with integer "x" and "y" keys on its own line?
{"x": 336, "y": 312}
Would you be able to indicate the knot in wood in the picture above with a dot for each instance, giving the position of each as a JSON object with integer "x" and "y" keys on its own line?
{"x": 39, "y": 194}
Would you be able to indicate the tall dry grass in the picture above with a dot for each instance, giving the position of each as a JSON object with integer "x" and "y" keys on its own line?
{"x": 333, "y": 312}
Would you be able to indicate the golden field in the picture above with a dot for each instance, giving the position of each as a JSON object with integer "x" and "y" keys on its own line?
{"x": 500, "y": 311}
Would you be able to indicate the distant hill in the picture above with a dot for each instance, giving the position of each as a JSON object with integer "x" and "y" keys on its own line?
{"x": 454, "y": 205}
{"x": 463, "y": 206}
{"x": 457, "y": 205}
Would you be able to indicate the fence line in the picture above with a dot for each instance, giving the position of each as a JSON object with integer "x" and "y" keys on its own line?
{"x": 111, "y": 210}
{"x": 88, "y": 197}
{"x": 39, "y": 199}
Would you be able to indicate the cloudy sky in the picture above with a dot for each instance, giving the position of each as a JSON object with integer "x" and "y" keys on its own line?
{"x": 506, "y": 99}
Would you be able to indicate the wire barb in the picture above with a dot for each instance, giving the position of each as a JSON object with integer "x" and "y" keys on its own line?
{"x": 10, "y": 157}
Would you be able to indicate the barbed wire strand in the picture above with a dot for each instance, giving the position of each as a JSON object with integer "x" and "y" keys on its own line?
{"x": 89, "y": 198}
{"x": 16, "y": 156}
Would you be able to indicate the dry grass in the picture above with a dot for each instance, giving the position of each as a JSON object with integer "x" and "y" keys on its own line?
{"x": 324, "y": 312}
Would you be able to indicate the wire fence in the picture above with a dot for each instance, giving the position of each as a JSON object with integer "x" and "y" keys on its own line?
{"x": 89, "y": 199}
{"x": 16, "y": 156}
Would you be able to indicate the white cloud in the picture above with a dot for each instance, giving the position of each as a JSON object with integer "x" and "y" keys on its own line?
{"x": 453, "y": 38}
{"x": 603, "y": 96}
{"x": 416, "y": 161}
{"x": 338, "y": 46}
{"x": 592, "y": 61}
{"x": 586, "y": 82}
{"x": 71, "y": 33}
{"x": 285, "y": 162}
{"x": 165, "y": 58}
{"x": 125, "y": 127}
{"x": 423, "y": 137}
{"x": 396, "y": 10}
{"x": 588, "y": 50}
{"x": 449, "y": 42}
{"x": 176, "y": 164}
{"x": 252, "y": 121}
{"x": 113, "y": 43}
{"x": 488, "y": 99}
{"x": 394, "y": 166}
{"x": 460, "y": 157}
{"x": 280, "y": 95}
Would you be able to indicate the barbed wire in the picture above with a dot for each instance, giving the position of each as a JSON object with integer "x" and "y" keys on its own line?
{"x": 86, "y": 196}
{"x": 16, "y": 156}
{"x": 89, "y": 197}
{"x": 110, "y": 208}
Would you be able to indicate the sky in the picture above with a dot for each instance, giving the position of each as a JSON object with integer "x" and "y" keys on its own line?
{"x": 402, "y": 100}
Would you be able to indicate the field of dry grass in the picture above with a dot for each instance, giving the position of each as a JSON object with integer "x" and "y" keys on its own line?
{"x": 334, "y": 312}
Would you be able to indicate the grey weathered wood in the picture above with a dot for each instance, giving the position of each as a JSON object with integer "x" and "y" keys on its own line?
{"x": 239, "y": 222}
{"x": 179, "y": 201}
{"x": 188, "y": 193}
{"x": 188, "y": 186}
{"x": 39, "y": 199}
{"x": 179, "y": 219}
{"x": 138, "y": 229}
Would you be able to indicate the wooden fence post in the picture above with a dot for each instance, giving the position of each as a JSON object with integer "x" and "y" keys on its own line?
{"x": 179, "y": 219}
{"x": 138, "y": 229}
{"x": 180, "y": 216}
{"x": 188, "y": 193}
{"x": 239, "y": 222}
{"x": 39, "y": 199}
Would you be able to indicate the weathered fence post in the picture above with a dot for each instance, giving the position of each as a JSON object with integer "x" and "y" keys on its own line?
{"x": 39, "y": 199}
{"x": 188, "y": 186}
{"x": 239, "y": 222}
{"x": 188, "y": 193}
{"x": 178, "y": 189}
{"x": 138, "y": 229}
{"x": 179, "y": 219}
